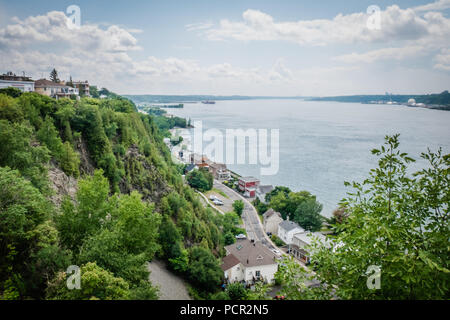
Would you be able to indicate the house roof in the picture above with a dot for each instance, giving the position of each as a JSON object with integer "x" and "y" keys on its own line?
{"x": 249, "y": 179}
{"x": 264, "y": 189}
{"x": 307, "y": 237}
{"x": 229, "y": 262}
{"x": 47, "y": 83}
{"x": 218, "y": 165}
{"x": 269, "y": 213}
{"x": 289, "y": 225}
{"x": 251, "y": 254}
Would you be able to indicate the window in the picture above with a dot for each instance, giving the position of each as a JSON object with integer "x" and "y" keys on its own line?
{"x": 258, "y": 274}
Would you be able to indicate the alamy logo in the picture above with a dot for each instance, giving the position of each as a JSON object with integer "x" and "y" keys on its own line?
{"x": 374, "y": 277}
{"x": 231, "y": 147}
{"x": 74, "y": 280}
{"x": 374, "y": 20}
{"x": 74, "y": 17}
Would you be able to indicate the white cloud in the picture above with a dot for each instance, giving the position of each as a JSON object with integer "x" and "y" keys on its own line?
{"x": 443, "y": 60}
{"x": 396, "y": 25}
{"x": 52, "y": 27}
{"x": 382, "y": 54}
{"x": 102, "y": 55}
{"x": 198, "y": 26}
{"x": 438, "y": 5}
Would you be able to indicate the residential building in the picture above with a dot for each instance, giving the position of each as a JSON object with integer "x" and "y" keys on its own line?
{"x": 54, "y": 89}
{"x": 248, "y": 186}
{"x": 271, "y": 221}
{"x": 200, "y": 161}
{"x": 219, "y": 171}
{"x": 23, "y": 83}
{"x": 301, "y": 248}
{"x": 261, "y": 192}
{"x": 287, "y": 229}
{"x": 248, "y": 261}
{"x": 83, "y": 88}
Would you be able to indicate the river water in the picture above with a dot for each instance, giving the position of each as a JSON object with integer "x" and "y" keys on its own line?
{"x": 323, "y": 144}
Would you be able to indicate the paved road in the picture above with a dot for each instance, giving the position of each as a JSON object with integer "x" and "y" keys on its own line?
{"x": 253, "y": 225}
{"x": 171, "y": 286}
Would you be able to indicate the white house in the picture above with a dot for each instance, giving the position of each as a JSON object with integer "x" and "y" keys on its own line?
{"x": 301, "y": 244}
{"x": 55, "y": 89}
{"x": 287, "y": 229}
{"x": 249, "y": 261}
{"x": 23, "y": 83}
{"x": 271, "y": 221}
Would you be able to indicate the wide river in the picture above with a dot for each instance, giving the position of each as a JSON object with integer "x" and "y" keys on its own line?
{"x": 323, "y": 144}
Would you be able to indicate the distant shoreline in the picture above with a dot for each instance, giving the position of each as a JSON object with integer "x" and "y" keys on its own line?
{"x": 439, "y": 101}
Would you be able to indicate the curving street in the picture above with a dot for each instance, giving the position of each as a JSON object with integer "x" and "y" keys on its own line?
{"x": 252, "y": 224}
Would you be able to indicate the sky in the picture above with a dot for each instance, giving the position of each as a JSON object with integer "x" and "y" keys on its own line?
{"x": 233, "y": 47}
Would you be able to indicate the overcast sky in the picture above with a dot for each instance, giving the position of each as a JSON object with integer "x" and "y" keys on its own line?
{"x": 225, "y": 47}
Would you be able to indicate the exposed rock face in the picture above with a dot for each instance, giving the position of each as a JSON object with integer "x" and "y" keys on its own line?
{"x": 142, "y": 176}
{"x": 62, "y": 184}
{"x": 86, "y": 165}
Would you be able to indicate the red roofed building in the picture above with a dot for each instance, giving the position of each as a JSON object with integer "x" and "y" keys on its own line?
{"x": 248, "y": 186}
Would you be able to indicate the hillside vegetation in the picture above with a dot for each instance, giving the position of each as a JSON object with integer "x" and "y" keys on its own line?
{"x": 129, "y": 203}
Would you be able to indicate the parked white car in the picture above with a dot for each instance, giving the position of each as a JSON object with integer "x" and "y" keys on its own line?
{"x": 277, "y": 252}
{"x": 218, "y": 202}
{"x": 241, "y": 236}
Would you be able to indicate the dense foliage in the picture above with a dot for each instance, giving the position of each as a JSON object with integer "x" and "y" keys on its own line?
{"x": 301, "y": 207}
{"x": 392, "y": 221}
{"x": 200, "y": 179}
{"x": 130, "y": 202}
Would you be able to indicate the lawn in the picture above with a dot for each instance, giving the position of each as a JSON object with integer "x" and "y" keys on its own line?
{"x": 215, "y": 190}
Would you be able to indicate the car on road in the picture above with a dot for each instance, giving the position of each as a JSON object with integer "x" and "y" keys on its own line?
{"x": 277, "y": 252}
{"x": 217, "y": 202}
{"x": 241, "y": 236}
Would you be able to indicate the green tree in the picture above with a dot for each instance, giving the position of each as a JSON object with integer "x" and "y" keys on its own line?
{"x": 137, "y": 225}
{"x": 238, "y": 207}
{"x": 277, "y": 190}
{"x": 200, "y": 179}
{"x": 236, "y": 291}
{"x": 49, "y": 136}
{"x": 18, "y": 152}
{"x": 308, "y": 215}
{"x": 96, "y": 284}
{"x": 69, "y": 160}
{"x": 9, "y": 108}
{"x": 79, "y": 221}
{"x": 181, "y": 262}
{"x": 54, "y": 75}
{"x": 23, "y": 210}
{"x": 398, "y": 223}
{"x": 295, "y": 280}
{"x": 229, "y": 238}
{"x": 11, "y": 91}
{"x": 204, "y": 269}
